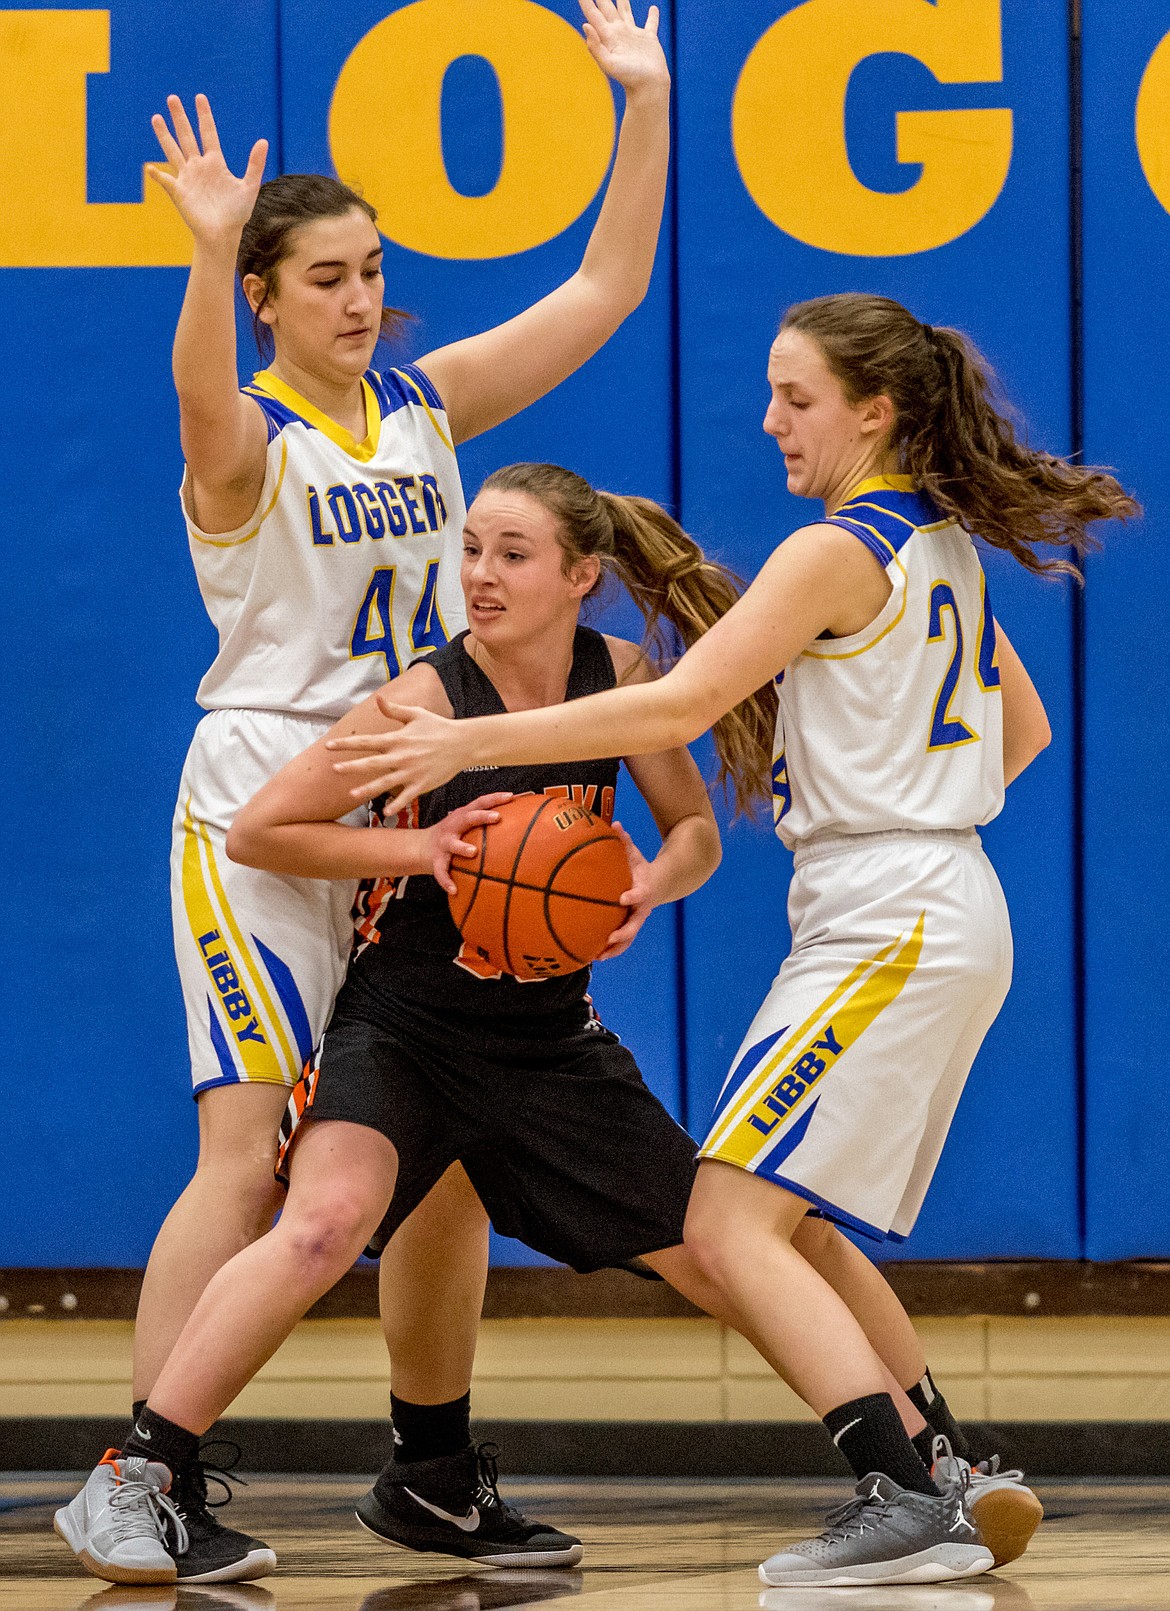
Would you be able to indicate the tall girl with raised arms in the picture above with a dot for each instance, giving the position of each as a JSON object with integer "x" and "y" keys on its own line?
{"x": 324, "y": 511}
{"x": 903, "y": 713}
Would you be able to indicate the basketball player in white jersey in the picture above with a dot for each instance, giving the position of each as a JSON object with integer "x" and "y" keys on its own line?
{"x": 903, "y": 712}
{"x": 324, "y": 512}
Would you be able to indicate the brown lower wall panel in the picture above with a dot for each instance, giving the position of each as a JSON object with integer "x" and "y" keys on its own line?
{"x": 992, "y": 1288}
{"x": 607, "y": 1448}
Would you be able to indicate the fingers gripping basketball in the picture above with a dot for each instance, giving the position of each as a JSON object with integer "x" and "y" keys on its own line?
{"x": 542, "y": 894}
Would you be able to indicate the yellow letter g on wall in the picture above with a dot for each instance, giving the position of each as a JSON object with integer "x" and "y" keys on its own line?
{"x": 788, "y": 125}
{"x": 385, "y": 129}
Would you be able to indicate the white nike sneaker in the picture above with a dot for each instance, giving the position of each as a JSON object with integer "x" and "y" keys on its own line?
{"x": 116, "y": 1526}
{"x": 1002, "y": 1506}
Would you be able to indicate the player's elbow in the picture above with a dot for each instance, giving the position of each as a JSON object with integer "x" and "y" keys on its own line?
{"x": 1037, "y": 736}
{"x": 608, "y": 298}
{"x": 243, "y": 842}
{"x": 710, "y": 848}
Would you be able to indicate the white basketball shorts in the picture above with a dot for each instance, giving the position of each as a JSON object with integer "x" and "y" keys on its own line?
{"x": 260, "y": 956}
{"x": 845, "y": 1086}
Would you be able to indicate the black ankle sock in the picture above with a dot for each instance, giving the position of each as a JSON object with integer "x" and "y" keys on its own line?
{"x": 924, "y": 1442}
{"x": 136, "y": 1410}
{"x": 430, "y": 1431}
{"x": 935, "y": 1410}
{"x": 869, "y": 1433}
{"x": 159, "y": 1439}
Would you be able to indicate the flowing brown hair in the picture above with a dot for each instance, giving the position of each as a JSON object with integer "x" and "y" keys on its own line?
{"x": 672, "y": 582}
{"x": 282, "y": 206}
{"x": 953, "y": 437}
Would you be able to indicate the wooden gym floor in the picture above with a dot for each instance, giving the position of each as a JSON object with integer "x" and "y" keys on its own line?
{"x": 650, "y": 1546}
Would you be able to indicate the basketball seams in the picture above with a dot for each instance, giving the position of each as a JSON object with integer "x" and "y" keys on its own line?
{"x": 527, "y": 834}
{"x": 477, "y": 872}
{"x": 550, "y": 891}
{"x": 539, "y": 889}
{"x": 516, "y": 925}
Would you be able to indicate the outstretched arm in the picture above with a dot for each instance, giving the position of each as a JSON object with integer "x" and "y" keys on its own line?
{"x": 673, "y": 788}
{"x": 290, "y": 826}
{"x": 489, "y": 377}
{"x": 800, "y": 592}
{"x": 223, "y": 433}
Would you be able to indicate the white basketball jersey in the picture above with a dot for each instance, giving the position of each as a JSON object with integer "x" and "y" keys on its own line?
{"x": 899, "y": 726}
{"x": 349, "y": 566}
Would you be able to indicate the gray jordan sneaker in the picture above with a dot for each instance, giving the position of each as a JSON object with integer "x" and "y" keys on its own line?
{"x": 116, "y": 1525}
{"x": 1000, "y": 1503}
{"x": 885, "y": 1534}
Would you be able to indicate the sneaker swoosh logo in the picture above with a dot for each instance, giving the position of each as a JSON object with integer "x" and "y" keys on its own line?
{"x": 466, "y": 1524}
{"x": 145, "y": 1436}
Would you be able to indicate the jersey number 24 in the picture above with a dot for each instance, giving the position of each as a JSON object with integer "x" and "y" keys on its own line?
{"x": 947, "y": 731}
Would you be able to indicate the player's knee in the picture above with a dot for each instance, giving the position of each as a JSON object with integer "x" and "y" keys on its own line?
{"x": 330, "y": 1234}
{"x": 706, "y": 1239}
{"x": 242, "y": 1176}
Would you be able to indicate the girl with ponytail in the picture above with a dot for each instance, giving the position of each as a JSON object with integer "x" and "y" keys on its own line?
{"x": 430, "y": 1060}
{"x": 903, "y": 712}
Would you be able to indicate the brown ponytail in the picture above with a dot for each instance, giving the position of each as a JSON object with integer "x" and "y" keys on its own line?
{"x": 953, "y": 438}
{"x": 673, "y": 584}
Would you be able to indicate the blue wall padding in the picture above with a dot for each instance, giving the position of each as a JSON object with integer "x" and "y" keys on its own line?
{"x": 1127, "y": 620}
{"x": 1008, "y": 1181}
{"x": 107, "y": 637}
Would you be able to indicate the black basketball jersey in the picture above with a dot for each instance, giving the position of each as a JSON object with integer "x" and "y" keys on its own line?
{"x": 406, "y": 943}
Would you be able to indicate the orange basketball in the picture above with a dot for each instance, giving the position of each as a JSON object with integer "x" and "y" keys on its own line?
{"x": 540, "y": 898}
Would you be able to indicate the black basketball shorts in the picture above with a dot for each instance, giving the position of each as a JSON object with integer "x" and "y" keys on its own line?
{"x": 568, "y": 1149}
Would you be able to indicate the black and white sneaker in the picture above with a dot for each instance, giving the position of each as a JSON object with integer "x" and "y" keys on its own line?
{"x": 452, "y": 1506}
{"x": 213, "y": 1553}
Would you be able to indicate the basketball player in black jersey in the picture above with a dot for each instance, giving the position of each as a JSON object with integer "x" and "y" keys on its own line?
{"x": 426, "y": 1060}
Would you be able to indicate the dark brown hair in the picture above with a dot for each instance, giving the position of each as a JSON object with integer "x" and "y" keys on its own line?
{"x": 953, "y": 436}
{"x": 672, "y": 582}
{"x": 282, "y": 206}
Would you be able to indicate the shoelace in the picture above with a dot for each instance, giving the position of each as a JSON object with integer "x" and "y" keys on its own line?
{"x": 487, "y": 1489}
{"x": 851, "y": 1518}
{"x": 141, "y": 1512}
{"x": 990, "y": 1468}
{"x": 190, "y": 1492}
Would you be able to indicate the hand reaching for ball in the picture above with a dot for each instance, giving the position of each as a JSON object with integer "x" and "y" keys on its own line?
{"x": 639, "y": 898}
{"x": 446, "y": 837}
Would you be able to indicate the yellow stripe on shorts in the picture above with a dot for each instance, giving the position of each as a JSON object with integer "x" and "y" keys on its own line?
{"x": 785, "y": 1079}
{"x": 253, "y": 1024}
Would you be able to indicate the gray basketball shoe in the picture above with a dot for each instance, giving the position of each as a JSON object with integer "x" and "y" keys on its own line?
{"x": 116, "y": 1524}
{"x": 885, "y": 1534}
{"x": 1000, "y": 1503}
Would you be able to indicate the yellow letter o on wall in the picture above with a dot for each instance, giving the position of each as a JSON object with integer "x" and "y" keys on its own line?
{"x": 386, "y": 138}
{"x": 1150, "y": 123}
{"x": 788, "y": 125}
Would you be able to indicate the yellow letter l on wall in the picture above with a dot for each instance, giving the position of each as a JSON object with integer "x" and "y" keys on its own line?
{"x": 45, "y": 219}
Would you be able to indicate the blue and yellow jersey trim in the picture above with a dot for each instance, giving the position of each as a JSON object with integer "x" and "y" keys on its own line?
{"x": 885, "y": 512}
{"x": 383, "y": 395}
